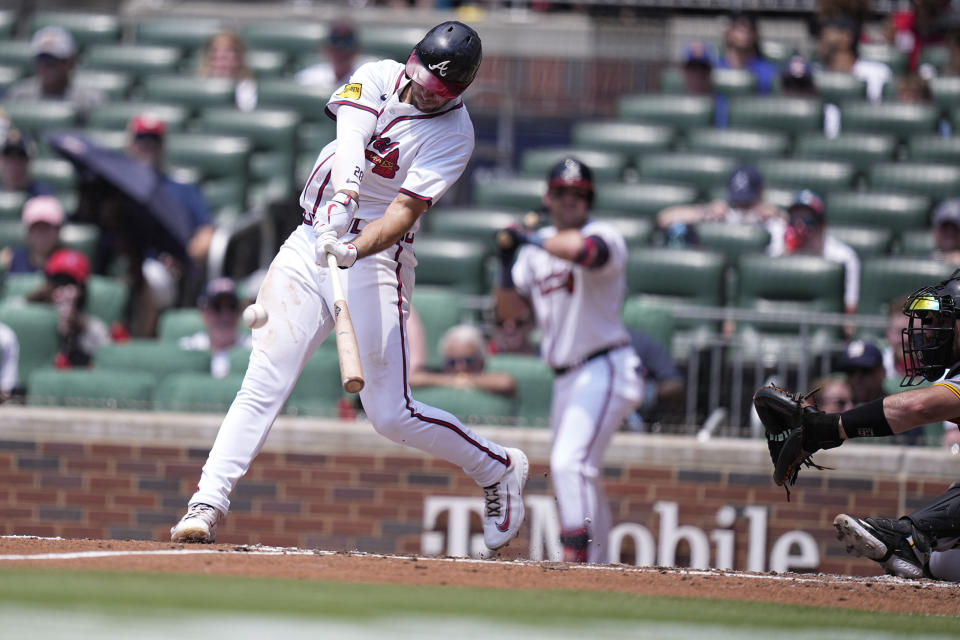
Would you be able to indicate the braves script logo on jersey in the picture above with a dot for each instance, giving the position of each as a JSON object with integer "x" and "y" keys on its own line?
{"x": 562, "y": 281}
{"x": 440, "y": 67}
{"x": 385, "y": 164}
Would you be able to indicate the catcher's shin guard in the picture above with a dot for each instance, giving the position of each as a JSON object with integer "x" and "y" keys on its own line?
{"x": 939, "y": 519}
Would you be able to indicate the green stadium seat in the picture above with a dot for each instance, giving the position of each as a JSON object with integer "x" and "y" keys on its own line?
{"x": 81, "y": 237}
{"x": 226, "y": 196}
{"x": 9, "y": 74}
{"x": 632, "y": 138}
{"x": 264, "y": 63}
{"x": 8, "y": 23}
{"x": 937, "y": 55}
{"x": 212, "y": 155}
{"x": 934, "y": 148}
{"x": 17, "y": 53}
{"x": 657, "y": 322}
{"x": 113, "y": 139}
{"x": 509, "y": 193}
{"x": 701, "y": 170}
{"x": 676, "y": 276}
{"x": 177, "y": 323}
{"x": 455, "y": 263}
{"x": 438, "y": 308}
{"x": 733, "y": 82}
{"x": 605, "y": 165}
{"x": 107, "y": 297}
{"x": 314, "y": 136}
{"x": 196, "y": 392}
{"x": 272, "y": 132}
{"x": 637, "y": 232}
{"x": 307, "y": 100}
{"x": 901, "y": 120}
{"x": 787, "y": 114}
{"x": 186, "y": 33}
{"x": 318, "y": 389}
{"x": 837, "y": 88}
{"x": 292, "y": 38}
{"x": 138, "y": 60}
{"x": 672, "y": 81}
{"x": 644, "y": 199}
{"x": 152, "y": 356}
{"x": 945, "y": 92}
{"x": 820, "y": 175}
{"x": 534, "y": 385}
{"x": 114, "y": 84}
{"x": 11, "y": 233}
{"x": 41, "y": 116}
{"x": 470, "y": 223}
{"x": 776, "y": 51}
{"x": 859, "y": 149}
{"x": 91, "y": 388}
{"x": 743, "y": 144}
{"x": 680, "y": 111}
{"x": 733, "y": 240}
{"x": 394, "y": 42}
{"x": 117, "y": 115}
{"x": 57, "y": 173}
{"x": 189, "y": 91}
{"x": 886, "y": 278}
{"x": 933, "y": 180}
{"x": 11, "y": 204}
{"x": 86, "y": 28}
{"x": 891, "y": 56}
{"x": 19, "y": 285}
{"x": 36, "y": 329}
{"x": 916, "y": 243}
{"x": 892, "y": 211}
{"x": 868, "y": 242}
{"x": 471, "y": 406}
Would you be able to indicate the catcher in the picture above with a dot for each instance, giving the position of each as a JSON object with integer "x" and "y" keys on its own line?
{"x": 921, "y": 544}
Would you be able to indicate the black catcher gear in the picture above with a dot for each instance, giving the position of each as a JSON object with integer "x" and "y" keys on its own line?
{"x": 928, "y": 349}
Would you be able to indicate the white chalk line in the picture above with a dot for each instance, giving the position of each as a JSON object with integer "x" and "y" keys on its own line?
{"x": 293, "y": 551}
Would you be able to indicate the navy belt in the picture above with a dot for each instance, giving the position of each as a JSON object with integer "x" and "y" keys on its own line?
{"x": 596, "y": 354}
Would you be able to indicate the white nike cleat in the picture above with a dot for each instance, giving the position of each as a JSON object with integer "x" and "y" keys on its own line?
{"x": 504, "y": 512}
{"x": 199, "y": 524}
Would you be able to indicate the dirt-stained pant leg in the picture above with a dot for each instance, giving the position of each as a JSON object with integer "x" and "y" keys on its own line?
{"x": 299, "y": 320}
{"x": 589, "y": 405}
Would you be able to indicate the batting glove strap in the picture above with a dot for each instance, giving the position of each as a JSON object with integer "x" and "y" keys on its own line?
{"x": 335, "y": 215}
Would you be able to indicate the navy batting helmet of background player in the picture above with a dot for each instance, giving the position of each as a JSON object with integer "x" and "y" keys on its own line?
{"x": 570, "y": 172}
{"x": 447, "y": 59}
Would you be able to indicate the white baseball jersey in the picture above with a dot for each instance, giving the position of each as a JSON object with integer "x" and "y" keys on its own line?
{"x": 418, "y": 154}
{"x": 578, "y": 309}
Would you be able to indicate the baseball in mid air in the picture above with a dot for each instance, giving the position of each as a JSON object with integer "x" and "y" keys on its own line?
{"x": 255, "y": 316}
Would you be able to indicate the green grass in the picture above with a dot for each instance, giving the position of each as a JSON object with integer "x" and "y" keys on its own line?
{"x": 115, "y": 593}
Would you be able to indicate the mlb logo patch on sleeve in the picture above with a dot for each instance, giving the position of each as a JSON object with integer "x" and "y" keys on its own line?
{"x": 351, "y": 91}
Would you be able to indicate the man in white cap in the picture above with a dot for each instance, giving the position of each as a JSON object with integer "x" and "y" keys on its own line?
{"x": 54, "y": 57}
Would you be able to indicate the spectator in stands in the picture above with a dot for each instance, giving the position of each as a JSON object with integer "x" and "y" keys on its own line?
{"x": 225, "y": 57}
{"x": 806, "y": 233}
{"x": 220, "y": 306}
{"x": 698, "y": 63}
{"x": 54, "y": 58}
{"x": 146, "y": 145}
{"x": 946, "y": 232}
{"x": 893, "y": 349}
{"x": 913, "y": 28}
{"x": 742, "y": 51}
{"x": 662, "y": 382}
{"x": 514, "y": 334}
{"x": 9, "y": 362}
{"x": 837, "y": 47}
{"x": 862, "y": 362}
{"x": 15, "y": 156}
{"x": 341, "y": 59}
{"x": 42, "y": 217}
{"x": 913, "y": 89}
{"x": 833, "y": 394}
{"x": 463, "y": 349}
{"x": 796, "y": 78}
{"x": 65, "y": 286}
{"x": 744, "y": 205}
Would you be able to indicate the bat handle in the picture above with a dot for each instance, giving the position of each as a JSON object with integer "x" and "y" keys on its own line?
{"x": 335, "y": 277}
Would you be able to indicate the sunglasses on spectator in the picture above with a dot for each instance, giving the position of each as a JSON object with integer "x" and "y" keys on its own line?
{"x": 219, "y": 306}
{"x": 469, "y": 361}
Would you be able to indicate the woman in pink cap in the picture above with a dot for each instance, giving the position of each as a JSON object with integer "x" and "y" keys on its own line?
{"x": 42, "y": 218}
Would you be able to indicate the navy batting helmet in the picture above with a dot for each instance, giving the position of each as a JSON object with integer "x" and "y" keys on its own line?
{"x": 447, "y": 59}
{"x": 570, "y": 172}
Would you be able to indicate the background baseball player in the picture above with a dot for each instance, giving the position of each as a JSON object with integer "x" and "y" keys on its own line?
{"x": 573, "y": 274}
{"x": 403, "y": 137}
{"x": 922, "y": 543}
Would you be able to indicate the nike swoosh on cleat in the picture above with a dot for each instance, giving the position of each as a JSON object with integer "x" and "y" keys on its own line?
{"x": 506, "y": 521}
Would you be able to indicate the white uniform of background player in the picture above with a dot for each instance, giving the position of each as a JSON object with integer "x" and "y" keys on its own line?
{"x": 400, "y": 145}
{"x": 574, "y": 275}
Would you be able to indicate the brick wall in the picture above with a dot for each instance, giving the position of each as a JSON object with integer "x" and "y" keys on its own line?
{"x": 341, "y": 486}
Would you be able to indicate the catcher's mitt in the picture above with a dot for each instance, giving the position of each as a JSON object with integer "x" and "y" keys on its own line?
{"x": 782, "y": 414}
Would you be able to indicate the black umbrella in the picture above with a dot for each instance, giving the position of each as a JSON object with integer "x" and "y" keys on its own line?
{"x": 158, "y": 220}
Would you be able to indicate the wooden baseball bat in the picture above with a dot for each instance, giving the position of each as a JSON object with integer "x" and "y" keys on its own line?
{"x": 351, "y": 373}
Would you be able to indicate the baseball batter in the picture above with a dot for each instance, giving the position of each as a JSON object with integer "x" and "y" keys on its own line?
{"x": 403, "y": 138}
{"x": 574, "y": 276}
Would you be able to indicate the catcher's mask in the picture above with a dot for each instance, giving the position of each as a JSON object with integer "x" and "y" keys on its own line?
{"x": 928, "y": 340}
